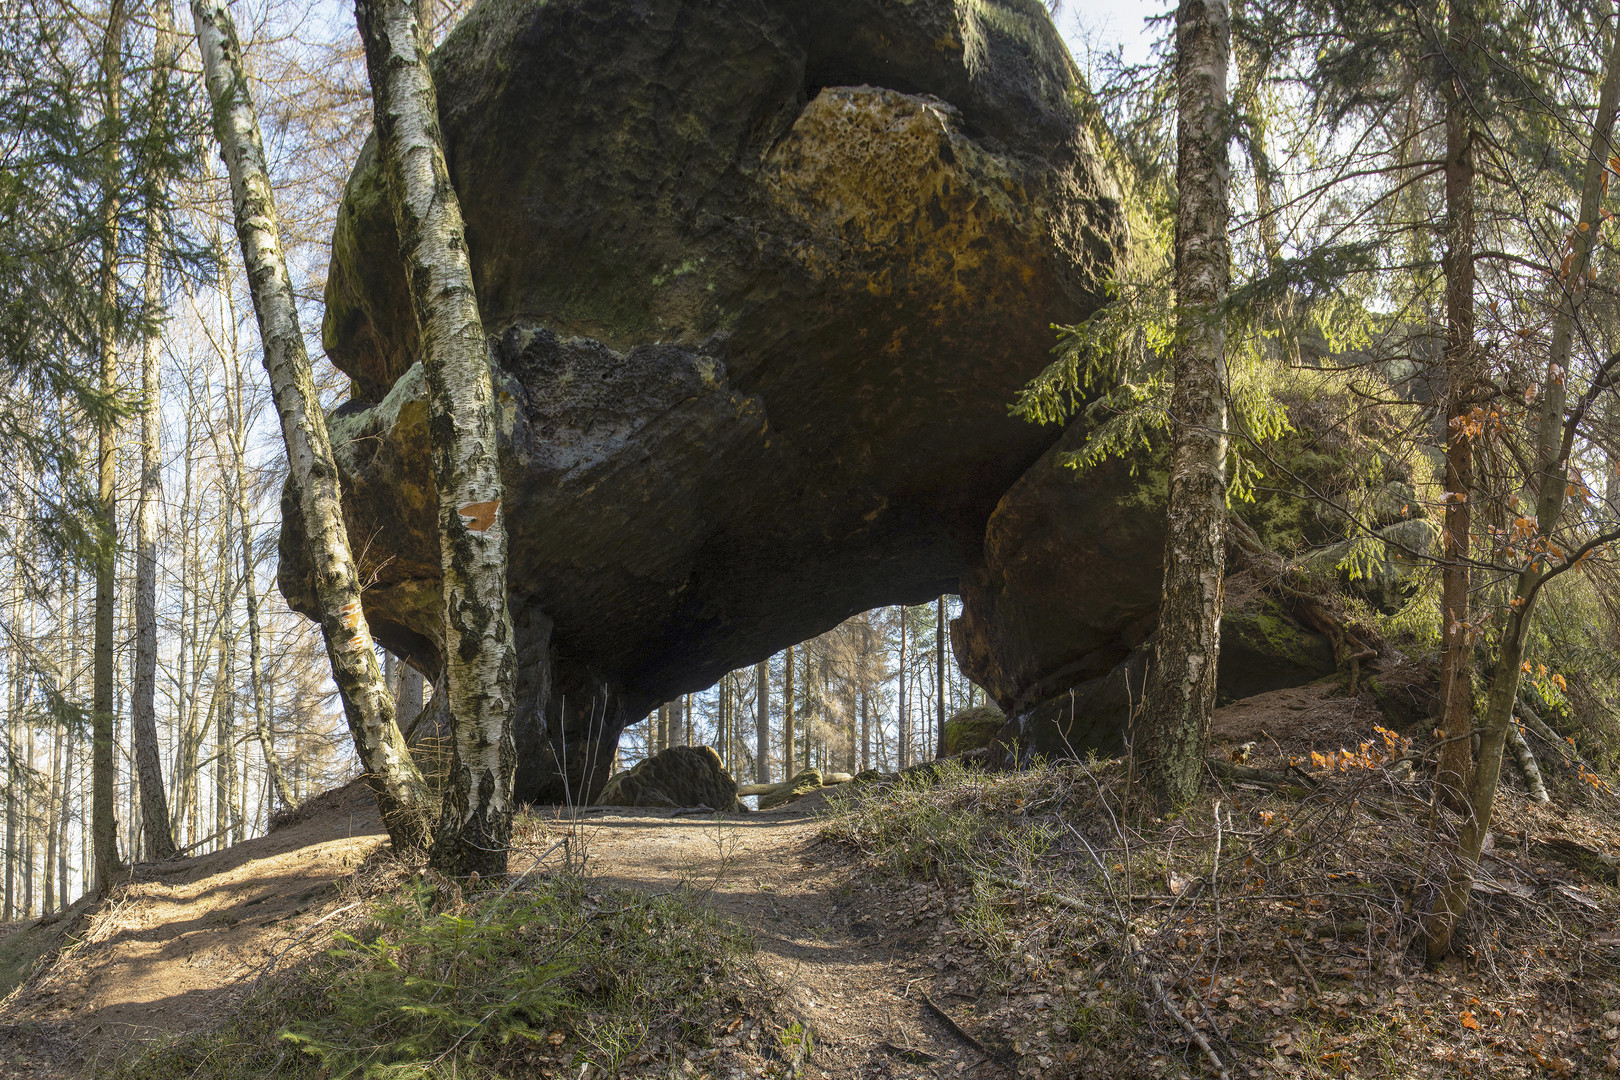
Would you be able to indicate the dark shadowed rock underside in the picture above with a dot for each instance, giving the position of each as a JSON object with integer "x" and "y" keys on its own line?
{"x": 761, "y": 278}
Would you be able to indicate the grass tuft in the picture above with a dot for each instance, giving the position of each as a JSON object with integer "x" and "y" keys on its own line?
{"x": 438, "y": 982}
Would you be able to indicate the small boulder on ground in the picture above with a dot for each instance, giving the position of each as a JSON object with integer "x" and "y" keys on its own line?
{"x": 972, "y": 729}
{"x": 802, "y": 783}
{"x": 677, "y": 777}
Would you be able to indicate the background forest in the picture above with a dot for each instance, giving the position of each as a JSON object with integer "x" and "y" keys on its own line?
{"x": 1408, "y": 242}
{"x": 1360, "y": 300}
{"x": 127, "y": 318}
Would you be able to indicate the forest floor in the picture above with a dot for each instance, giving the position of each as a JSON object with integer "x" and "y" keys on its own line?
{"x": 977, "y": 926}
{"x": 183, "y": 944}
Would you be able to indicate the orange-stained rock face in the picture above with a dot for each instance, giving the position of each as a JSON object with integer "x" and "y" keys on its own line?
{"x": 762, "y": 280}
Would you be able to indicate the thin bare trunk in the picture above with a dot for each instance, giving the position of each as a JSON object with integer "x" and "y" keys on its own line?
{"x": 903, "y": 735}
{"x": 402, "y": 796}
{"x": 1456, "y": 663}
{"x": 1180, "y": 695}
{"x": 143, "y": 698}
{"x": 1552, "y": 464}
{"x": 238, "y": 426}
{"x": 104, "y": 766}
{"x": 939, "y": 679}
{"x": 787, "y": 712}
{"x": 481, "y": 662}
{"x": 762, "y": 733}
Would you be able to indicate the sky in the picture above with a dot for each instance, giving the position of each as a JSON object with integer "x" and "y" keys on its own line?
{"x": 1089, "y": 25}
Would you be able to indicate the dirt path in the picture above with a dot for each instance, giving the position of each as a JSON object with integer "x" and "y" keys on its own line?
{"x": 856, "y": 962}
{"x": 186, "y": 941}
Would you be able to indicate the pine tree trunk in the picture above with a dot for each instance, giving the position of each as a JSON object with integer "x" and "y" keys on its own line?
{"x": 143, "y": 699}
{"x": 903, "y": 734}
{"x": 1180, "y": 694}
{"x": 1552, "y": 467}
{"x": 104, "y": 765}
{"x": 866, "y": 728}
{"x": 787, "y": 712}
{"x": 939, "y": 680}
{"x": 13, "y": 780}
{"x": 401, "y": 795}
{"x": 52, "y": 794}
{"x": 475, "y": 829}
{"x": 65, "y": 816}
{"x": 762, "y": 733}
{"x": 1456, "y": 666}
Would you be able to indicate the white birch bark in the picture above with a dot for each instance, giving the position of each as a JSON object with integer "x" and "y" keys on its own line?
{"x": 401, "y": 795}
{"x": 1180, "y": 693}
{"x": 481, "y": 663}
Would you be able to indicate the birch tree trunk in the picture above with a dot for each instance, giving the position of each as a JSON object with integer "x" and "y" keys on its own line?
{"x": 1552, "y": 465}
{"x": 481, "y": 662}
{"x": 402, "y": 797}
{"x": 143, "y": 698}
{"x": 103, "y": 766}
{"x": 1180, "y": 694}
{"x": 410, "y": 693}
{"x": 762, "y": 732}
{"x": 1456, "y": 666}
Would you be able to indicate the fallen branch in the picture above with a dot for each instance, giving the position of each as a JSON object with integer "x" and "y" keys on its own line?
{"x": 1188, "y": 1026}
{"x": 1538, "y": 726}
{"x": 1280, "y": 782}
{"x": 1527, "y": 764}
{"x": 279, "y": 953}
{"x": 1597, "y": 865}
{"x": 956, "y": 1029}
{"x": 1300, "y": 961}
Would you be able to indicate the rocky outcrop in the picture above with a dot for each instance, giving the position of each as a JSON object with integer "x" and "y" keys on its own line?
{"x": 800, "y": 784}
{"x": 1057, "y": 620}
{"x": 1070, "y": 580}
{"x": 677, "y": 777}
{"x": 972, "y": 729}
{"x": 761, "y": 278}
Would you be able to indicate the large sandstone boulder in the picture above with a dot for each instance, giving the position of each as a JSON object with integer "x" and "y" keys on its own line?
{"x": 761, "y": 278}
{"x": 679, "y": 776}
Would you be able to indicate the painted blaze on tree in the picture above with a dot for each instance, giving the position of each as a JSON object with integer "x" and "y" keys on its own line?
{"x": 481, "y": 664}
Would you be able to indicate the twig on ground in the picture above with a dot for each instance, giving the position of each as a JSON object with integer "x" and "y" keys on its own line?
{"x": 1300, "y": 960}
{"x": 956, "y": 1029}
{"x": 1188, "y": 1026}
